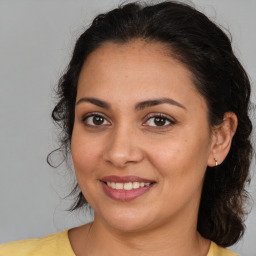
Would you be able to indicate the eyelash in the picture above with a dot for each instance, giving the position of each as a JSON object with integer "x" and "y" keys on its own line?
{"x": 161, "y": 116}
{"x": 94, "y": 114}
{"x": 148, "y": 118}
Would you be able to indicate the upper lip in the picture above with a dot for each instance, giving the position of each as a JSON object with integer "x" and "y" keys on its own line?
{"x": 125, "y": 179}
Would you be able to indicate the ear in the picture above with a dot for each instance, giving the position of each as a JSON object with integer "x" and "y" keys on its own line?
{"x": 222, "y": 136}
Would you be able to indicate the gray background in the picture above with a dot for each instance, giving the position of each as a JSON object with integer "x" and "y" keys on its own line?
{"x": 36, "y": 41}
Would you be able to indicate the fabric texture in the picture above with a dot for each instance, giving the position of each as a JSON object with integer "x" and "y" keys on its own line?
{"x": 59, "y": 245}
{"x": 51, "y": 245}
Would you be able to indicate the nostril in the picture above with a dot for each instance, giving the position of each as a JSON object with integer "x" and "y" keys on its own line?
{"x": 121, "y": 156}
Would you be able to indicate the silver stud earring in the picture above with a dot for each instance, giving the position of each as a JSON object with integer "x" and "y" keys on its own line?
{"x": 216, "y": 162}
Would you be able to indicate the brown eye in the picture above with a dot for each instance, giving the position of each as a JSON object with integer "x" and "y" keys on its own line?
{"x": 160, "y": 121}
{"x": 95, "y": 120}
{"x": 98, "y": 120}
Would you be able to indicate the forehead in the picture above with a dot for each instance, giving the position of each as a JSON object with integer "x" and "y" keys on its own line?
{"x": 139, "y": 51}
{"x": 134, "y": 58}
{"x": 138, "y": 69}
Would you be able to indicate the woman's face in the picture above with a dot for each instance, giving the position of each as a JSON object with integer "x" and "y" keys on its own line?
{"x": 141, "y": 140}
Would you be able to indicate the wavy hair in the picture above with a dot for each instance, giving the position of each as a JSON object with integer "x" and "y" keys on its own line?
{"x": 218, "y": 76}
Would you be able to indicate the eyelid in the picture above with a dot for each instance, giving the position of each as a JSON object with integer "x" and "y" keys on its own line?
{"x": 146, "y": 119}
{"x": 91, "y": 114}
{"x": 167, "y": 117}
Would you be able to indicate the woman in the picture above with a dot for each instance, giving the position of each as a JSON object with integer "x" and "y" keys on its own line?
{"x": 154, "y": 111}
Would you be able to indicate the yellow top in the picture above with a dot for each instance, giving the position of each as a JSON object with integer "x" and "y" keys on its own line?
{"x": 59, "y": 245}
{"x": 51, "y": 245}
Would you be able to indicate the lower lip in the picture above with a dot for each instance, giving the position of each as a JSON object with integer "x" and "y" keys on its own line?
{"x": 125, "y": 195}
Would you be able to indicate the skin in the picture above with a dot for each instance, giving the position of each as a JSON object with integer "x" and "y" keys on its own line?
{"x": 175, "y": 155}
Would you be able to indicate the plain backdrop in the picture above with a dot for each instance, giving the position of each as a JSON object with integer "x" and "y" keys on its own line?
{"x": 36, "y": 42}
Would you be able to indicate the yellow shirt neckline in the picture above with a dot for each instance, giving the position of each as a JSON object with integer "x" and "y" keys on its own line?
{"x": 214, "y": 249}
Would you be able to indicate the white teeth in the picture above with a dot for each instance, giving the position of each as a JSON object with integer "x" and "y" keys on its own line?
{"x": 113, "y": 185}
{"x": 136, "y": 184}
{"x": 119, "y": 186}
{"x": 127, "y": 185}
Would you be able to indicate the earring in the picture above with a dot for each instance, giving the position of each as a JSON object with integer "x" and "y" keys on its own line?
{"x": 216, "y": 162}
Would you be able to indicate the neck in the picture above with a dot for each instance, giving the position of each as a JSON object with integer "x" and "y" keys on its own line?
{"x": 174, "y": 238}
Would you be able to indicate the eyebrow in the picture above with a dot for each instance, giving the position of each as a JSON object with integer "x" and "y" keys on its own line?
{"x": 154, "y": 102}
{"x": 97, "y": 102}
{"x": 139, "y": 106}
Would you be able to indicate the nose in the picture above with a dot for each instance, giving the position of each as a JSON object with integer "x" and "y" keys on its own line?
{"x": 123, "y": 148}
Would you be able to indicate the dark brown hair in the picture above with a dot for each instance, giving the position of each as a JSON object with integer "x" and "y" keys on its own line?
{"x": 218, "y": 75}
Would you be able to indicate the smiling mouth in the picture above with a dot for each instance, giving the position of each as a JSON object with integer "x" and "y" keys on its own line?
{"x": 127, "y": 185}
{"x": 125, "y": 188}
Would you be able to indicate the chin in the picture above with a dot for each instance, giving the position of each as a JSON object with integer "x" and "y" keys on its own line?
{"x": 126, "y": 221}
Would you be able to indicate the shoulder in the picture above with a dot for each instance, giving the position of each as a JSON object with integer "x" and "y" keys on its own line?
{"x": 54, "y": 244}
{"x": 216, "y": 250}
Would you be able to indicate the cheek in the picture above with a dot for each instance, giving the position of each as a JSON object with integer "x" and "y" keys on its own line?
{"x": 181, "y": 167}
{"x": 85, "y": 153}
{"x": 184, "y": 159}
{"x": 85, "y": 157}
